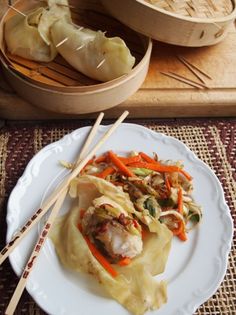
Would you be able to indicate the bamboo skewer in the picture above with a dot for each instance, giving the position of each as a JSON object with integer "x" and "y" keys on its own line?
{"x": 47, "y": 227}
{"x": 51, "y": 200}
{"x": 100, "y": 63}
{"x": 196, "y": 68}
{"x": 62, "y": 42}
{"x": 184, "y": 80}
{"x": 18, "y": 11}
{"x": 80, "y": 47}
{"x": 191, "y": 69}
{"x": 203, "y": 85}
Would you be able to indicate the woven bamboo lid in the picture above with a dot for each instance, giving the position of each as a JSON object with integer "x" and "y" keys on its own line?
{"x": 196, "y": 8}
{"x": 191, "y": 23}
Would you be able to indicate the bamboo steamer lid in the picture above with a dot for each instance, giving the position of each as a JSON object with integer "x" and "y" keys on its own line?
{"x": 56, "y": 86}
{"x": 192, "y": 23}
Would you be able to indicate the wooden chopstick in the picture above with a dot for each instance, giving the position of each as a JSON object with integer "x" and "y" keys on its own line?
{"x": 5, "y": 252}
{"x": 184, "y": 80}
{"x": 35, "y": 254}
{"x": 51, "y": 200}
{"x": 59, "y": 200}
{"x": 47, "y": 227}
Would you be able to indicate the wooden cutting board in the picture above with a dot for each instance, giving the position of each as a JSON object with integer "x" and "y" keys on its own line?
{"x": 159, "y": 95}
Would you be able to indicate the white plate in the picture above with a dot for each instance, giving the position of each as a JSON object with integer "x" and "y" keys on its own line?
{"x": 195, "y": 268}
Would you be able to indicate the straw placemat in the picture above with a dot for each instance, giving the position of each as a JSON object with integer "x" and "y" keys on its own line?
{"x": 213, "y": 141}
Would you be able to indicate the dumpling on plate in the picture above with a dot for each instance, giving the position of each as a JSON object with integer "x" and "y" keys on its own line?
{"x": 103, "y": 224}
{"x": 29, "y": 36}
{"x": 86, "y": 49}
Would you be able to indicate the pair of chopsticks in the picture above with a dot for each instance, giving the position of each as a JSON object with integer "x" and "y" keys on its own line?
{"x": 199, "y": 74}
{"x": 56, "y": 199}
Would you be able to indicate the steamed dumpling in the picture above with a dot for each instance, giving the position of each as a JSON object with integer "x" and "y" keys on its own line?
{"x": 134, "y": 287}
{"x": 85, "y": 49}
{"x": 29, "y": 36}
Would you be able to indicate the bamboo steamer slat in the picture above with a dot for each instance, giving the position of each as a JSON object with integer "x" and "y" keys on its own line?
{"x": 56, "y": 86}
{"x": 192, "y": 23}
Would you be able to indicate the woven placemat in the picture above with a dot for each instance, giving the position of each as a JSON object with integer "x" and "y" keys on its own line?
{"x": 213, "y": 141}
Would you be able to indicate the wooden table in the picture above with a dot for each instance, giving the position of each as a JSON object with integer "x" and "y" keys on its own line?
{"x": 160, "y": 96}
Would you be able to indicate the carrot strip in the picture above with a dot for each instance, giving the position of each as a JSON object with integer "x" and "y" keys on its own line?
{"x": 144, "y": 233}
{"x": 182, "y": 236}
{"x": 179, "y": 229}
{"x": 187, "y": 175}
{"x": 81, "y": 213}
{"x": 156, "y": 167}
{"x": 120, "y": 165}
{"x": 108, "y": 171}
{"x": 167, "y": 182}
{"x": 124, "y": 262}
{"x": 180, "y": 201}
{"x": 147, "y": 158}
{"x": 161, "y": 168}
{"x": 129, "y": 160}
{"x": 101, "y": 158}
{"x": 100, "y": 258}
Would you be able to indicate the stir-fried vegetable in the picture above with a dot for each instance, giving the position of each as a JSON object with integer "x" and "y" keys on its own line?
{"x": 160, "y": 190}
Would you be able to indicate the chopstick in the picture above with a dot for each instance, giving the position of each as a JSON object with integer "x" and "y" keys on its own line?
{"x": 51, "y": 200}
{"x": 5, "y": 252}
{"x": 35, "y": 254}
{"x": 41, "y": 240}
{"x": 47, "y": 227}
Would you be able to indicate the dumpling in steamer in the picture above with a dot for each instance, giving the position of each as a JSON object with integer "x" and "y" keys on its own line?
{"x": 86, "y": 49}
{"x": 29, "y": 36}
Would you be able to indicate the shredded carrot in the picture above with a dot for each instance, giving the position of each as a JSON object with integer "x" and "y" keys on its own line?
{"x": 167, "y": 182}
{"x": 161, "y": 168}
{"x": 156, "y": 167}
{"x": 182, "y": 236}
{"x": 180, "y": 201}
{"x": 100, "y": 258}
{"x": 101, "y": 158}
{"x": 120, "y": 165}
{"x": 189, "y": 177}
{"x": 144, "y": 233}
{"x": 108, "y": 171}
{"x": 81, "y": 213}
{"x": 129, "y": 160}
{"x": 79, "y": 226}
{"x": 147, "y": 158}
{"x": 124, "y": 262}
{"x": 178, "y": 230}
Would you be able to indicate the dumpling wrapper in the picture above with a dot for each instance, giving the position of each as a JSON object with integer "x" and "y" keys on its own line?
{"x": 29, "y": 36}
{"x": 134, "y": 287}
{"x": 57, "y": 11}
{"x": 85, "y": 49}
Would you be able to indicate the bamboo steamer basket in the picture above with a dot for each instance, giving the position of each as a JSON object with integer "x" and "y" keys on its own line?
{"x": 56, "y": 86}
{"x": 192, "y": 23}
